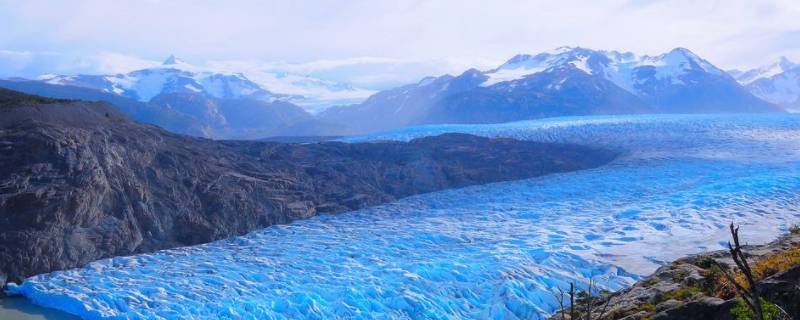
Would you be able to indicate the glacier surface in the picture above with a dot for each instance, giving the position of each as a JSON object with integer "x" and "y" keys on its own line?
{"x": 494, "y": 251}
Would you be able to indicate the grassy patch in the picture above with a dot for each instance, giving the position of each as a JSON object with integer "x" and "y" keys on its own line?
{"x": 650, "y": 282}
{"x": 742, "y": 312}
{"x": 762, "y": 268}
{"x": 680, "y": 275}
{"x": 681, "y": 294}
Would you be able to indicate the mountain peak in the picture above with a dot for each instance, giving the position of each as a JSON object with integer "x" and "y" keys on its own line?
{"x": 562, "y": 49}
{"x": 778, "y": 67}
{"x": 785, "y": 63}
{"x": 683, "y": 52}
{"x": 172, "y": 59}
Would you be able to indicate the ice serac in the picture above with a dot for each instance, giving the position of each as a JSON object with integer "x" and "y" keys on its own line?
{"x": 568, "y": 81}
{"x": 80, "y": 182}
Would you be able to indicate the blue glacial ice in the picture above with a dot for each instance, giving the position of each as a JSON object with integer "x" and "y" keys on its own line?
{"x": 495, "y": 251}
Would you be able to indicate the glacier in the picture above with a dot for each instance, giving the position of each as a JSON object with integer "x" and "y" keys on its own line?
{"x": 495, "y": 251}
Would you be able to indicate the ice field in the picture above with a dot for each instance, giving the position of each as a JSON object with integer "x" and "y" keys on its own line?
{"x": 494, "y": 251}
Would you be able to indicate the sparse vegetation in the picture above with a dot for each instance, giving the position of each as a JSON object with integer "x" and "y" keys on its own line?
{"x": 650, "y": 281}
{"x": 794, "y": 229}
{"x": 751, "y": 305}
{"x": 682, "y": 294}
{"x": 769, "y": 311}
{"x": 745, "y": 289}
{"x": 762, "y": 268}
{"x": 589, "y": 304}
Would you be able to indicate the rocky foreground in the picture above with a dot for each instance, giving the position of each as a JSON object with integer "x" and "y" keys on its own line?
{"x": 81, "y": 182}
{"x": 694, "y": 288}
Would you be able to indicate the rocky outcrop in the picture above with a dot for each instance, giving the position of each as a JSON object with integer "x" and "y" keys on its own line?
{"x": 687, "y": 289}
{"x": 80, "y": 182}
{"x": 784, "y": 289}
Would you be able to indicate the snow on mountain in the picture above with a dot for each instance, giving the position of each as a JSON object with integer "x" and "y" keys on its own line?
{"x": 175, "y": 75}
{"x": 173, "y": 60}
{"x": 314, "y": 95}
{"x": 778, "y": 83}
{"x": 567, "y": 81}
{"x": 621, "y": 68}
{"x": 746, "y": 77}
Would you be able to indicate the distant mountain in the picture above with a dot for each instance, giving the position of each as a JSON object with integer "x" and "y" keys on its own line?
{"x": 746, "y": 77}
{"x": 187, "y": 99}
{"x": 568, "y": 81}
{"x": 174, "y": 75}
{"x": 193, "y": 113}
{"x": 778, "y": 83}
{"x": 563, "y": 82}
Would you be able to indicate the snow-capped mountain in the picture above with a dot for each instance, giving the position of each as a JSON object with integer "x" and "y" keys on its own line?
{"x": 568, "y": 81}
{"x": 626, "y": 70}
{"x": 174, "y": 75}
{"x": 746, "y": 77}
{"x": 778, "y": 83}
{"x": 563, "y": 82}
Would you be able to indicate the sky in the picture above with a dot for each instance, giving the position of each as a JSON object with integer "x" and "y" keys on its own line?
{"x": 371, "y": 42}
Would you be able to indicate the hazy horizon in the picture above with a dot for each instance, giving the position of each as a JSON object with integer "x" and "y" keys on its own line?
{"x": 404, "y": 39}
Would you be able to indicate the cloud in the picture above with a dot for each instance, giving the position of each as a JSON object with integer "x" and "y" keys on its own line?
{"x": 326, "y": 34}
{"x": 365, "y": 72}
{"x": 30, "y": 64}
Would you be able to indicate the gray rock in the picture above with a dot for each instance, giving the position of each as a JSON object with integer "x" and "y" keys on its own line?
{"x": 669, "y": 304}
{"x": 784, "y": 290}
{"x": 702, "y": 309}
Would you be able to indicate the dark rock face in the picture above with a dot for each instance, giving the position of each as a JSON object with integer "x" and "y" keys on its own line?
{"x": 701, "y": 309}
{"x": 784, "y": 289}
{"x": 462, "y": 99}
{"x": 80, "y": 182}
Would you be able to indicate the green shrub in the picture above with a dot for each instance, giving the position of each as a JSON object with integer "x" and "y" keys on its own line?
{"x": 769, "y": 311}
{"x": 681, "y": 294}
{"x": 705, "y": 262}
{"x": 649, "y": 307}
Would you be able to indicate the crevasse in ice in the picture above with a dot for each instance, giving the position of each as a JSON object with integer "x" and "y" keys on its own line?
{"x": 494, "y": 251}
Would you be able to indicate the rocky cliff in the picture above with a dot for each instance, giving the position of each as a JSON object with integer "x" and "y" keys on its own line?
{"x": 80, "y": 182}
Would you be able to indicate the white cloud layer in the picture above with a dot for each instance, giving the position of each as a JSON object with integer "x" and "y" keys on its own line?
{"x": 417, "y": 37}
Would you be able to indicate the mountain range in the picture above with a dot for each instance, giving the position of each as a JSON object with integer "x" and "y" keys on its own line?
{"x": 564, "y": 82}
{"x": 567, "y": 81}
{"x": 175, "y": 75}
